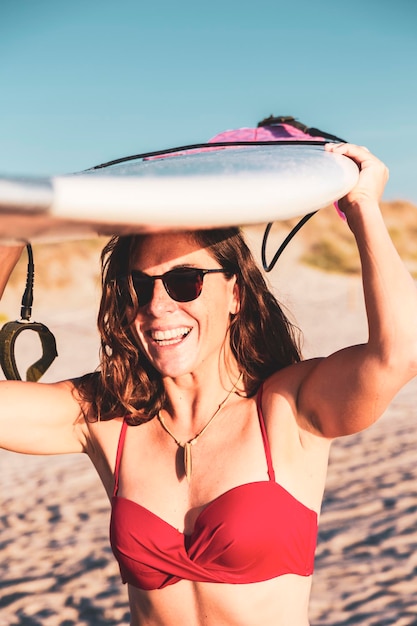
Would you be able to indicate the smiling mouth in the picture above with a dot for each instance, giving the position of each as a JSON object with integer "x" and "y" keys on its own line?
{"x": 169, "y": 337}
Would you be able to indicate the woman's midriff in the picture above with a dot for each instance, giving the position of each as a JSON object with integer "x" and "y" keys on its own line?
{"x": 278, "y": 602}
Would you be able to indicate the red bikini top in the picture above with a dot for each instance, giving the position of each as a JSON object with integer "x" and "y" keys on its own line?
{"x": 250, "y": 533}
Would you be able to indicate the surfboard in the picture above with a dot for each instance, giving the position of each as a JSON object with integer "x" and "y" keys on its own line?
{"x": 191, "y": 188}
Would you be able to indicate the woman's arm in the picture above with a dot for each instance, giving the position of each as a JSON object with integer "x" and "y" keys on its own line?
{"x": 350, "y": 389}
{"x": 9, "y": 256}
{"x": 37, "y": 418}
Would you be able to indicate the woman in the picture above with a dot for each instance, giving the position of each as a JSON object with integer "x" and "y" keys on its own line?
{"x": 210, "y": 434}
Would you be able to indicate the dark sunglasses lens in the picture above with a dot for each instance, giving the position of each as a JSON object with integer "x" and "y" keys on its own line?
{"x": 184, "y": 285}
{"x": 143, "y": 288}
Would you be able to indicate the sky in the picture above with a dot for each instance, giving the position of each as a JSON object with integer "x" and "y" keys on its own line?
{"x": 86, "y": 81}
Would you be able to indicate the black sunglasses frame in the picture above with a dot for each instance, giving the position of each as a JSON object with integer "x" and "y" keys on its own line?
{"x": 143, "y": 284}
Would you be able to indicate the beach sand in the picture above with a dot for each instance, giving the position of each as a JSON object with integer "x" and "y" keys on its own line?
{"x": 57, "y": 567}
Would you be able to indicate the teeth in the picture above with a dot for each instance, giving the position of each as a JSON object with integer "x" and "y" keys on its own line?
{"x": 170, "y": 336}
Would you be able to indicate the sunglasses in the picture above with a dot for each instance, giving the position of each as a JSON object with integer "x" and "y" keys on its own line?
{"x": 183, "y": 284}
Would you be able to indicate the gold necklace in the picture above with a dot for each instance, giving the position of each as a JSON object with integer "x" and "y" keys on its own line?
{"x": 188, "y": 464}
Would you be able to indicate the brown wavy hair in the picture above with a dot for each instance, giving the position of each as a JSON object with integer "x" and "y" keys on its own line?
{"x": 262, "y": 339}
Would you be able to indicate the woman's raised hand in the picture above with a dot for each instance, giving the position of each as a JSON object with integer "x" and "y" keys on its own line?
{"x": 373, "y": 175}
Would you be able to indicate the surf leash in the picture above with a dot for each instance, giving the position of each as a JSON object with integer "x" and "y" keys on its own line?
{"x": 270, "y": 266}
{"x": 12, "y": 330}
{"x": 313, "y": 132}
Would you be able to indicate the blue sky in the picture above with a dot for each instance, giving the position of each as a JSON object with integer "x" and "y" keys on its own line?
{"x": 82, "y": 82}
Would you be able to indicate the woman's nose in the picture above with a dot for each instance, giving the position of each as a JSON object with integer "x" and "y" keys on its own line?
{"x": 160, "y": 301}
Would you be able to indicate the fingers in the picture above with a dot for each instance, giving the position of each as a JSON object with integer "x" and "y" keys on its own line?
{"x": 360, "y": 154}
{"x": 373, "y": 172}
{"x": 357, "y": 153}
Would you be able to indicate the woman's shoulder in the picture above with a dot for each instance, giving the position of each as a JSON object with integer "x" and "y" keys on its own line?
{"x": 281, "y": 394}
{"x": 288, "y": 380}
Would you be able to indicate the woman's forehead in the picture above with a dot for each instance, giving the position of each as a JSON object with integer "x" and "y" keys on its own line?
{"x": 170, "y": 249}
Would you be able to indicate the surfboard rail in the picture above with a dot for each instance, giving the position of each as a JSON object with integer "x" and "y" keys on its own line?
{"x": 240, "y": 185}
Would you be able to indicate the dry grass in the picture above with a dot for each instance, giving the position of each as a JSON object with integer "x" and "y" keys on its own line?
{"x": 328, "y": 244}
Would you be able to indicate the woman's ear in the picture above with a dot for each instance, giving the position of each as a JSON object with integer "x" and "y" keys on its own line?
{"x": 235, "y": 307}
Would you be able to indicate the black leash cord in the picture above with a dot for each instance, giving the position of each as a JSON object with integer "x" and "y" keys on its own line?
{"x": 27, "y": 298}
{"x": 11, "y": 331}
{"x": 270, "y": 266}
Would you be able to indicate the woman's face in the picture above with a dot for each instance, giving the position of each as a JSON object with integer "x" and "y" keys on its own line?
{"x": 181, "y": 338}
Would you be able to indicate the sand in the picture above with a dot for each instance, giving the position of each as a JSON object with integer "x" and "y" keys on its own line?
{"x": 57, "y": 567}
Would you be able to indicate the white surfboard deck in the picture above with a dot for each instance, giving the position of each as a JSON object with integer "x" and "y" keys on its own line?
{"x": 234, "y": 186}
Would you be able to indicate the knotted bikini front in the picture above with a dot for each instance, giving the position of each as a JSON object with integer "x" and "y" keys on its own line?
{"x": 250, "y": 533}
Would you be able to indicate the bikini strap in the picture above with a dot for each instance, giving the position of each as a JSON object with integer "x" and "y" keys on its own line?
{"x": 268, "y": 456}
{"x": 120, "y": 446}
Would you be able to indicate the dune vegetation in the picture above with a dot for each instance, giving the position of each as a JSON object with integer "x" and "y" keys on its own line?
{"x": 325, "y": 242}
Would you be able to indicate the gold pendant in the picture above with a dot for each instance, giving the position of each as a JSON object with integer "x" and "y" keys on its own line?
{"x": 188, "y": 464}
